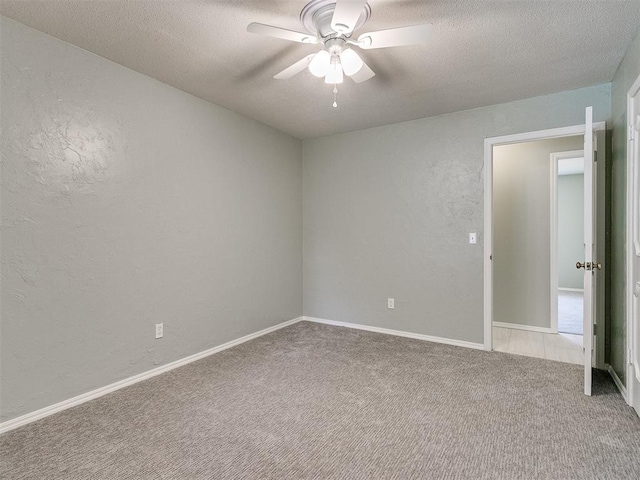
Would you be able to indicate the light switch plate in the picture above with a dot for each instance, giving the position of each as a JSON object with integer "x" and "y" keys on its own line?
{"x": 391, "y": 303}
{"x": 473, "y": 238}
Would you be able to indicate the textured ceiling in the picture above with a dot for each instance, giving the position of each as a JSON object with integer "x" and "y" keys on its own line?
{"x": 483, "y": 52}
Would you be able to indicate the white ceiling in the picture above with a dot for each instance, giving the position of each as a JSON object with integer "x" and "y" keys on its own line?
{"x": 483, "y": 52}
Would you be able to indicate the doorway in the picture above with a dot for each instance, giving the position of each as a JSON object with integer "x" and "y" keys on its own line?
{"x": 567, "y": 242}
{"x": 534, "y": 251}
{"x": 519, "y": 290}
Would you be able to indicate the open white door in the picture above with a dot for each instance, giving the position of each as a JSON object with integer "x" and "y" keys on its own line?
{"x": 589, "y": 264}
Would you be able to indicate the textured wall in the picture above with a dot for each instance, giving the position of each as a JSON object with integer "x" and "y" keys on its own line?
{"x": 522, "y": 230}
{"x": 387, "y": 212}
{"x": 625, "y": 76}
{"x": 126, "y": 202}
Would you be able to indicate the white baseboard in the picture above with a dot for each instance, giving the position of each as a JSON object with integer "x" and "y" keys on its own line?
{"x": 618, "y": 382}
{"x": 524, "y": 327}
{"x": 99, "y": 392}
{"x": 398, "y": 333}
{"x": 571, "y": 289}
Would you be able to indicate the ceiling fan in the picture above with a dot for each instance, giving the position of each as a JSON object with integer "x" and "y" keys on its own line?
{"x": 331, "y": 23}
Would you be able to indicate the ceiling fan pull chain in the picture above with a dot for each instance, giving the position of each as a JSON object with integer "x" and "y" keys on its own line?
{"x": 335, "y": 96}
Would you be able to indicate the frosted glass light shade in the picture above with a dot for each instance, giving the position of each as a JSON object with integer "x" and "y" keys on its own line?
{"x": 334, "y": 75}
{"x": 351, "y": 62}
{"x": 319, "y": 65}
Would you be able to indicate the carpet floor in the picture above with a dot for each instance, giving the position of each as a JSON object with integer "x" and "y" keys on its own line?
{"x": 314, "y": 401}
{"x": 570, "y": 308}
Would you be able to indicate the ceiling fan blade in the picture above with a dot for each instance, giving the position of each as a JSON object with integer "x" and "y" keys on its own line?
{"x": 283, "y": 33}
{"x": 295, "y": 69}
{"x": 362, "y": 75}
{"x": 346, "y": 15}
{"x": 396, "y": 37}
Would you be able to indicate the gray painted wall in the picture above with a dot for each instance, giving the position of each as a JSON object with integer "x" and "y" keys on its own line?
{"x": 570, "y": 230}
{"x": 387, "y": 212}
{"x": 522, "y": 230}
{"x": 625, "y": 76}
{"x": 125, "y": 203}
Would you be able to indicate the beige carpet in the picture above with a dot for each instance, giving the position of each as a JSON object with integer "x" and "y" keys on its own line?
{"x": 315, "y": 401}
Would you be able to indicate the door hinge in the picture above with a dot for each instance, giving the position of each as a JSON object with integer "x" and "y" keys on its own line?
{"x": 595, "y": 329}
{"x": 631, "y": 133}
{"x": 595, "y": 156}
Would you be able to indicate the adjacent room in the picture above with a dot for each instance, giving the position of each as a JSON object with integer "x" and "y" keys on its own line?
{"x": 538, "y": 224}
{"x": 569, "y": 240}
{"x": 319, "y": 239}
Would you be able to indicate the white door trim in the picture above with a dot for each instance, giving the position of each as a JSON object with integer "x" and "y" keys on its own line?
{"x": 489, "y": 143}
{"x": 633, "y": 248}
{"x": 555, "y": 157}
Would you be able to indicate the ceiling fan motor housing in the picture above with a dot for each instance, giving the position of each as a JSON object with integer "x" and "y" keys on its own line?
{"x": 316, "y": 18}
{"x": 335, "y": 46}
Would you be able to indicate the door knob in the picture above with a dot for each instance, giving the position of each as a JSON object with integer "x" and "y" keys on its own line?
{"x": 589, "y": 265}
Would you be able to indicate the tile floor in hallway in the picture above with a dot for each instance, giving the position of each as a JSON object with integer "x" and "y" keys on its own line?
{"x": 562, "y": 347}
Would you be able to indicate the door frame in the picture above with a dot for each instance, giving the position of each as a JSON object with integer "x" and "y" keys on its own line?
{"x": 633, "y": 243}
{"x": 555, "y": 158}
{"x": 489, "y": 143}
